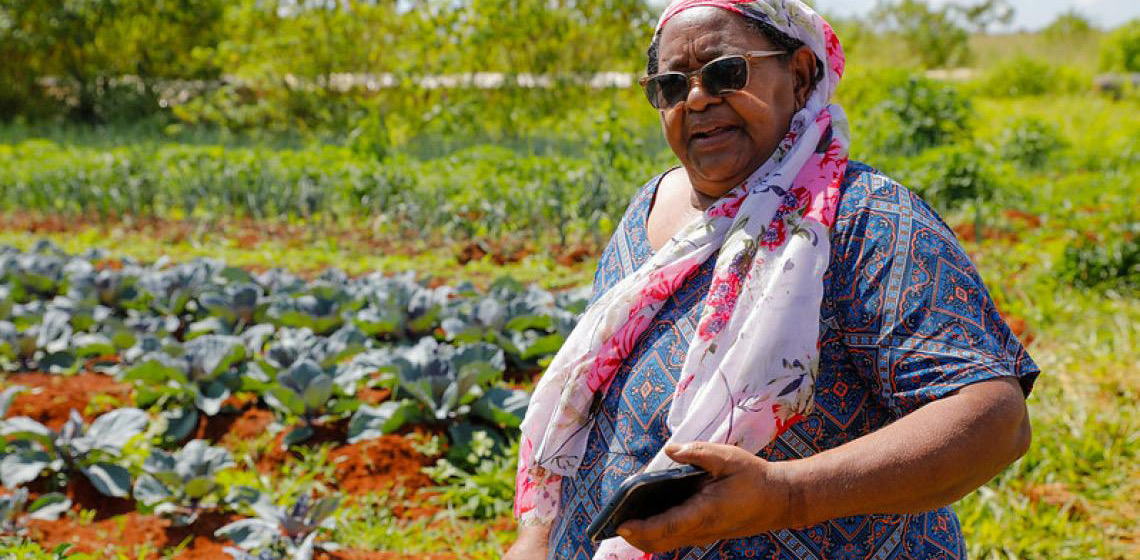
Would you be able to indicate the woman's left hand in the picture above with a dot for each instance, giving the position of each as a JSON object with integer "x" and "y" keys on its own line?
{"x": 747, "y": 495}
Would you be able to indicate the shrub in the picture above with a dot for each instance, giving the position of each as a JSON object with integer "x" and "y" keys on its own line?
{"x": 1108, "y": 259}
{"x": 917, "y": 114}
{"x": 1120, "y": 50}
{"x": 948, "y": 176}
{"x": 1024, "y": 75}
{"x": 1030, "y": 142}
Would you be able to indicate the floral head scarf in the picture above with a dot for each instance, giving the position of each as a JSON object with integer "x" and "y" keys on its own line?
{"x": 750, "y": 368}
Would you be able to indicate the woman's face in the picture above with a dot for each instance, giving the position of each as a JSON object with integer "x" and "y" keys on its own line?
{"x": 722, "y": 140}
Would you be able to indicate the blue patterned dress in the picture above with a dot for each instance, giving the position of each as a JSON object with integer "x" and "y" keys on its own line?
{"x": 905, "y": 320}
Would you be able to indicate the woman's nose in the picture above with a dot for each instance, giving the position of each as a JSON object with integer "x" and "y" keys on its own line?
{"x": 699, "y": 98}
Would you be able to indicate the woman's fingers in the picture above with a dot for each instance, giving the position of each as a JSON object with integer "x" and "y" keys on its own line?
{"x": 724, "y": 508}
{"x": 679, "y": 526}
{"x": 717, "y": 459}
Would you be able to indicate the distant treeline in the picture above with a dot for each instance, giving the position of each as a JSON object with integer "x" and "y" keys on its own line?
{"x": 101, "y": 61}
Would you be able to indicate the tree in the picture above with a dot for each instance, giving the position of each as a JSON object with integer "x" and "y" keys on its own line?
{"x": 982, "y": 15}
{"x": 935, "y": 35}
{"x": 91, "y": 44}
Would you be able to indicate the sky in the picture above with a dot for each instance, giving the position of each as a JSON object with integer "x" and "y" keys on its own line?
{"x": 1029, "y": 14}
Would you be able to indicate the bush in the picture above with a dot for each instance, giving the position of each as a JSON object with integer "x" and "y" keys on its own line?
{"x": 949, "y": 176}
{"x": 1023, "y": 76}
{"x": 918, "y": 114}
{"x": 1107, "y": 259}
{"x": 1030, "y": 142}
{"x": 1120, "y": 50}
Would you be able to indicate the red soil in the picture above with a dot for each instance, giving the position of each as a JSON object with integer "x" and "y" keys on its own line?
{"x": 136, "y": 531}
{"x": 239, "y": 420}
{"x": 377, "y": 465}
{"x": 361, "y": 555}
{"x": 52, "y": 396}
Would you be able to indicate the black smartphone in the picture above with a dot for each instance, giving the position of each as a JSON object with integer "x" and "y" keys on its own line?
{"x": 645, "y": 495}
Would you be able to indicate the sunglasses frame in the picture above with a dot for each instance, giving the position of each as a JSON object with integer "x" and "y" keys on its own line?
{"x": 693, "y": 76}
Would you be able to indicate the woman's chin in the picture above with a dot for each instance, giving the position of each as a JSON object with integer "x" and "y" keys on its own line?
{"x": 722, "y": 177}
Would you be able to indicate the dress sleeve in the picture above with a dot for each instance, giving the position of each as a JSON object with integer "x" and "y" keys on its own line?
{"x": 912, "y": 311}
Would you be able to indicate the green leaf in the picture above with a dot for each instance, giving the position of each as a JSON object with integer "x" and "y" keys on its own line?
{"x": 49, "y": 507}
{"x": 92, "y": 345}
{"x": 318, "y": 392}
{"x": 180, "y": 422}
{"x": 502, "y": 407}
{"x": 17, "y": 469}
{"x": 155, "y": 368}
{"x": 371, "y": 422}
{"x": 210, "y": 396}
{"x": 286, "y": 401}
{"x": 199, "y": 487}
{"x": 149, "y": 490}
{"x": 297, "y": 435}
{"x": 210, "y": 355}
{"x": 22, "y": 427}
{"x": 7, "y": 396}
{"x": 111, "y": 431}
{"x": 109, "y": 480}
{"x": 248, "y": 534}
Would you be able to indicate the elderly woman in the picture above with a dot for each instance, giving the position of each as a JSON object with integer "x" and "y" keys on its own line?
{"x": 800, "y": 326}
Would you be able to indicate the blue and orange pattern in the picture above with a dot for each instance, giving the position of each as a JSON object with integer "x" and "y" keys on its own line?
{"x": 905, "y": 320}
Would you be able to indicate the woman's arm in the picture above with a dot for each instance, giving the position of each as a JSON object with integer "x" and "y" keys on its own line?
{"x": 531, "y": 544}
{"x": 926, "y": 459}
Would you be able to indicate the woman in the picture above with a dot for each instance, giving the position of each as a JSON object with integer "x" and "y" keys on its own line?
{"x": 802, "y": 327}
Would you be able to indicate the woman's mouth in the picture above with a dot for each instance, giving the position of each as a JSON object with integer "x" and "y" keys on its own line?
{"x": 712, "y": 136}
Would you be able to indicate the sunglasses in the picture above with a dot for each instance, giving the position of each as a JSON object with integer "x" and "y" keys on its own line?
{"x": 723, "y": 75}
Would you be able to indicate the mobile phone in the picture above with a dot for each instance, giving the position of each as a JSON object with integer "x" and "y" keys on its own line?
{"x": 644, "y": 495}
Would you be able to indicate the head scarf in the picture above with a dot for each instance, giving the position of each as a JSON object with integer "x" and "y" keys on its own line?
{"x": 750, "y": 368}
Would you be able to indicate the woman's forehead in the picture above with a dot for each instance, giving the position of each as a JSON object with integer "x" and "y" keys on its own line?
{"x": 705, "y": 33}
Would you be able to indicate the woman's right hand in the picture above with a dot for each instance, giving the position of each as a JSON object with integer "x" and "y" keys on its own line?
{"x": 531, "y": 544}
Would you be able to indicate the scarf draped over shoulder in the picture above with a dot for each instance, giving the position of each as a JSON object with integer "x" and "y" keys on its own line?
{"x": 751, "y": 364}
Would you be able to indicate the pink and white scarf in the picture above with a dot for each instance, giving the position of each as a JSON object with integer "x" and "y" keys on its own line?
{"x": 751, "y": 364}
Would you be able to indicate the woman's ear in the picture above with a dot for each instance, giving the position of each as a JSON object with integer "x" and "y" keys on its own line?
{"x": 803, "y": 67}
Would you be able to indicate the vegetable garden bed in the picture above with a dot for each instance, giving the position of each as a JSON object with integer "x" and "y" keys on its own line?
{"x": 193, "y": 410}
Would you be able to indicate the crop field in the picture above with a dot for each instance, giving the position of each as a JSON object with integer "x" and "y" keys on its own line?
{"x": 288, "y": 323}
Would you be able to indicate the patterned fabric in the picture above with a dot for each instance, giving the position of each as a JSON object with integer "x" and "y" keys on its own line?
{"x": 751, "y": 364}
{"x": 905, "y": 320}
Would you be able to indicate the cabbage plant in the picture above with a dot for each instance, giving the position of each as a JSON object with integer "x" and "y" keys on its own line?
{"x": 307, "y": 393}
{"x": 445, "y": 386}
{"x": 33, "y": 449}
{"x": 180, "y": 485}
{"x": 15, "y": 509}
{"x": 189, "y": 379}
{"x": 279, "y": 533}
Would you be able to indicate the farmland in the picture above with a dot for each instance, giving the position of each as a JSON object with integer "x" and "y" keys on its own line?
{"x": 304, "y": 321}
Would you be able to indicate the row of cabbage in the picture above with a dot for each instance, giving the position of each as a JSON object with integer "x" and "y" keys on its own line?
{"x": 179, "y": 485}
{"x": 188, "y": 336}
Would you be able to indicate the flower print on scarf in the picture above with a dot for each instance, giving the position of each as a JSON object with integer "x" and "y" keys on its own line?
{"x": 727, "y": 206}
{"x": 724, "y": 290}
{"x": 835, "y": 58}
{"x": 534, "y": 493}
{"x": 614, "y": 351}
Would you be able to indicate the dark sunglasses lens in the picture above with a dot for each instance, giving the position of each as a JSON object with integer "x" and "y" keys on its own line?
{"x": 667, "y": 90}
{"x": 725, "y": 75}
